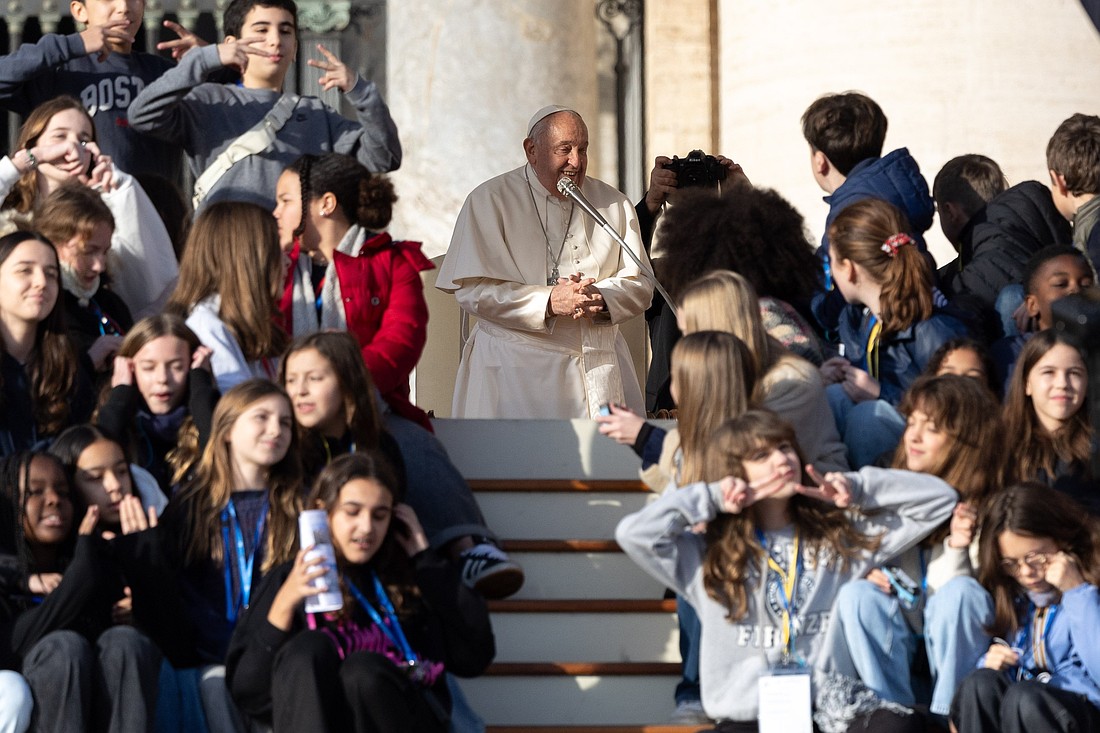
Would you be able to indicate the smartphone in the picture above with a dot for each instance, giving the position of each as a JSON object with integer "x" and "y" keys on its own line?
{"x": 313, "y": 530}
{"x": 605, "y": 408}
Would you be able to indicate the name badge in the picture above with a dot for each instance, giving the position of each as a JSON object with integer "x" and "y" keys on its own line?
{"x": 785, "y": 704}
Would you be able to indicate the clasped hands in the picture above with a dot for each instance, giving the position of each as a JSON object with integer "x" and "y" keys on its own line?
{"x": 576, "y": 296}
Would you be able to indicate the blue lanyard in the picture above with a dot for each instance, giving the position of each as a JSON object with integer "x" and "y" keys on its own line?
{"x": 391, "y": 627}
{"x": 107, "y": 325}
{"x": 245, "y": 561}
{"x": 788, "y": 588}
{"x": 1041, "y": 619}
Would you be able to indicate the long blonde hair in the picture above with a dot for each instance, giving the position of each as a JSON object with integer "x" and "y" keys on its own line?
{"x": 207, "y": 493}
{"x": 233, "y": 251}
{"x": 714, "y": 377}
{"x": 724, "y": 300}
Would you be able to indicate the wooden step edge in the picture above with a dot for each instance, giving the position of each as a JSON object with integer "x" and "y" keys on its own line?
{"x": 520, "y": 485}
{"x": 585, "y": 605}
{"x": 583, "y": 669}
{"x": 666, "y": 728}
{"x": 560, "y": 546}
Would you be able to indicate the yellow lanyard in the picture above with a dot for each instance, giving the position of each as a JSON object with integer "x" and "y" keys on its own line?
{"x": 789, "y": 581}
{"x": 872, "y": 348}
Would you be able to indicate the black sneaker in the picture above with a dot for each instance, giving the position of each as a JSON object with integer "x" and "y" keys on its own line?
{"x": 487, "y": 569}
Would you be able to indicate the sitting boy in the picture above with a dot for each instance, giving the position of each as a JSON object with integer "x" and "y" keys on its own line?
{"x": 99, "y": 67}
{"x": 206, "y": 118}
{"x": 995, "y": 231}
{"x": 846, "y": 133}
{"x": 1073, "y": 160}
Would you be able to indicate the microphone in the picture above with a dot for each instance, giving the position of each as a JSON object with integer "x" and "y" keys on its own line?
{"x": 571, "y": 191}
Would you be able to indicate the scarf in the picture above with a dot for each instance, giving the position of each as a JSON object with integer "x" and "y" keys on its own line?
{"x": 71, "y": 283}
{"x": 304, "y": 305}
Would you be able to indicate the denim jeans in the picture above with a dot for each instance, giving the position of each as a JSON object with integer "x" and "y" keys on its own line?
{"x": 881, "y": 645}
{"x": 691, "y": 632}
{"x": 16, "y": 703}
{"x": 868, "y": 429}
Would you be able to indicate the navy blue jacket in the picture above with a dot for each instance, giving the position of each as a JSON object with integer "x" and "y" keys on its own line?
{"x": 895, "y": 178}
{"x": 903, "y": 355}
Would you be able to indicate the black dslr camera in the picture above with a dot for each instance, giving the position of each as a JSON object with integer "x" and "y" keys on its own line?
{"x": 697, "y": 169}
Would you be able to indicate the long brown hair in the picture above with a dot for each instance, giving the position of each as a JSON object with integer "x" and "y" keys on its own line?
{"x": 859, "y": 234}
{"x": 1033, "y": 510}
{"x": 1035, "y": 449}
{"x": 390, "y": 562}
{"x": 233, "y": 251}
{"x": 207, "y": 493}
{"x": 968, "y": 413}
{"x": 341, "y": 350}
{"x": 715, "y": 378}
{"x": 732, "y": 548}
{"x": 51, "y": 368}
{"x": 25, "y": 192}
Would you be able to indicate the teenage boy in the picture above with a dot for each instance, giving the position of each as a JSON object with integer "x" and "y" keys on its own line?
{"x": 205, "y": 118}
{"x": 1073, "y": 160}
{"x": 996, "y": 231}
{"x": 99, "y": 67}
{"x": 846, "y": 133}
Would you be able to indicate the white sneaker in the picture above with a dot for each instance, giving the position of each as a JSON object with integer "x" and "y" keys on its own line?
{"x": 689, "y": 712}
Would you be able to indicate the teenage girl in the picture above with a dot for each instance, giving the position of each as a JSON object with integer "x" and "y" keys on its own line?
{"x": 57, "y": 147}
{"x": 85, "y": 672}
{"x": 787, "y": 384}
{"x": 875, "y": 263}
{"x": 334, "y": 406}
{"x": 953, "y": 431}
{"x": 162, "y": 395}
{"x": 377, "y": 664}
{"x": 97, "y": 467}
{"x": 776, "y": 551}
{"x": 965, "y": 357}
{"x": 230, "y": 278}
{"x": 1040, "y": 556}
{"x": 347, "y": 273}
{"x": 1046, "y": 415}
{"x": 43, "y": 388}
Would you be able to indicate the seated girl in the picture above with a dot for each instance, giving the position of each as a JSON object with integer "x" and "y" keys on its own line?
{"x": 230, "y": 277}
{"x": 347, "y": 273}
{"x": 97, "y": 467}
{"x": 877, "y": 264}
{"x": 378, "y": 663}
{"x": 42, "y": 387}
{"x": 1046, "y": 415}
{"x": 953, "y": 431}
{"x": 764, "y": 577}
{"x": 965, "y": 357}
{"x": 232, "y": 521}
{"x": 86, "y": 672}
{"x": 1040, "y": 559}
{"x": 335, "y": 407}
{"x": 57, "y": 146}
{"x": 162, "y": 395}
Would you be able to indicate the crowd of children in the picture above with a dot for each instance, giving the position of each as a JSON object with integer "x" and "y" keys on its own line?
{"x": 879, "y": 497}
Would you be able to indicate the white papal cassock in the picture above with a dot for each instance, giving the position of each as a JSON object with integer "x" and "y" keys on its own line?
{"x": 517, "y": 362}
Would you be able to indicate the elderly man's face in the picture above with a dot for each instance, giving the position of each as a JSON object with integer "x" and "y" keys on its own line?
{"x": 562, "y": 150}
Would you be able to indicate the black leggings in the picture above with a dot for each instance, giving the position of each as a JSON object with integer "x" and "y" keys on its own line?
{"x": 988, "y": 701}
{"x": 313, "y": 689}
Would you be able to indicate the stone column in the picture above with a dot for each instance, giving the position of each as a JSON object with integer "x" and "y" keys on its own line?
{"x": 464, "y": 77}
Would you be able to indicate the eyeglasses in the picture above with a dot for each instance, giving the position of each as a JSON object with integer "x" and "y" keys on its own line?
{"x": 1037, "y": 561}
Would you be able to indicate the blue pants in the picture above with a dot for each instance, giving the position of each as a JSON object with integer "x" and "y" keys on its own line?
{"x": 868, "y": 429}
{"x": 691, "y": 632}
{"x": 881, "y": 644}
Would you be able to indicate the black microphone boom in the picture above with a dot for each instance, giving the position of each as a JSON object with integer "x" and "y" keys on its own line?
{"x": 571, "y": 191}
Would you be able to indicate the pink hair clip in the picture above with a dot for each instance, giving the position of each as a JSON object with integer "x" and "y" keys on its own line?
{"x": 891, "y": 245}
